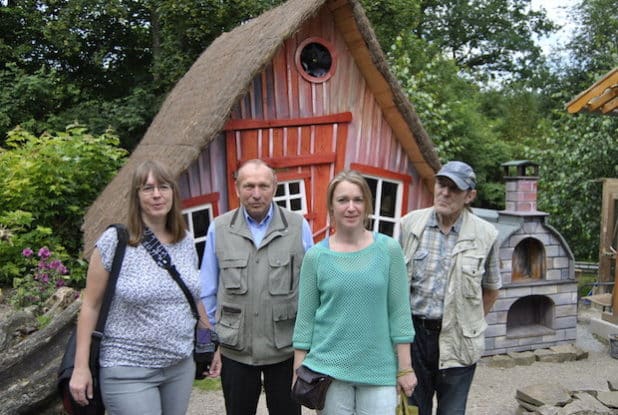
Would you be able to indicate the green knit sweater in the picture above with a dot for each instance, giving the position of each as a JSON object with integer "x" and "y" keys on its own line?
{"x": 353, "y": 308}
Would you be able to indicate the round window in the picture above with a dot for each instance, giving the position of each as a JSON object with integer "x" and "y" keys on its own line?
{"x": 315, "y": 60}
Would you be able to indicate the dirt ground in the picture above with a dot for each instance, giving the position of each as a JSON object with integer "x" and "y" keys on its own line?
{"x": 493, "y": 390}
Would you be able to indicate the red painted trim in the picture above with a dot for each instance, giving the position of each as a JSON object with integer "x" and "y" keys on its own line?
{"x": 377, "y": 171}
{"x": 212, "y": 198}
{"x": 285, "y": 176}
{"x": 297, "y": 161}
{"x": 232, "y": 166}
{"x": 342, "y": 117}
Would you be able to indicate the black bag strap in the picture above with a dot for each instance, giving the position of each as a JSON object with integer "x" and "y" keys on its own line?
{"x": 160, "y": 255}
{"x": 123, "y": 239}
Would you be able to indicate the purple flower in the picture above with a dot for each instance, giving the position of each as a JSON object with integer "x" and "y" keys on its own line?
{"x": 59, "y": 283}
{"x": 44, "y": 253}
{"x": 55, "y": 264}
{"x": 62, "y": 270}
{"x": 44, "y": 278}
{"x": 27, "y": 252}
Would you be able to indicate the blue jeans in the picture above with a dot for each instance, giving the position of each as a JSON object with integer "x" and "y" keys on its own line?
{"x": 345, "y": 398}
{"x": 148, "y": 391}
{"x": 451, "y": 386}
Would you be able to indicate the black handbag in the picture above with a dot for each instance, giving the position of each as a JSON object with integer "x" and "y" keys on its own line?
{"x": 205, "y": 340}
{"x": 310, "y": 388}
{"x": 95, "y": 405}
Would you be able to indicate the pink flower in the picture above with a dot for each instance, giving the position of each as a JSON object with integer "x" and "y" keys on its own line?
{"x": 44, "y": 253}
{"x": 27, "y": 252}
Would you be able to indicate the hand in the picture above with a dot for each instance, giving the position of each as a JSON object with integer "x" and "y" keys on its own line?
{"x": 215, "y": 365}
{"x": 80, "y": 386}
{"x": 407, "y": 383}
{"x": 205, "y": 347}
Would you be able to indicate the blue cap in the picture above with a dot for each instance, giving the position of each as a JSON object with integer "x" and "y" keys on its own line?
{"x": 460, "y": 173}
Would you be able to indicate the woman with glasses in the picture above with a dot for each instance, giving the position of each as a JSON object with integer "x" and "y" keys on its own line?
{"x": 146, "y": 354}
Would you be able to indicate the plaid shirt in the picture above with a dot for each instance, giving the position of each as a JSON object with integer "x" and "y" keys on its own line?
{"x": 432, "y": 263}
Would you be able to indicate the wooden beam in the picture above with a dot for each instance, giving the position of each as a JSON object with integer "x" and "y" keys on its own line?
{"x": 610, "y": 106}
{"x": 610, "y": 80}
{"x": 597, "y": 102}
{"x": 235, "y": 125}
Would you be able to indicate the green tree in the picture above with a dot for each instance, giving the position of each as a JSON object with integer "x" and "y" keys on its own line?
{"x": 486, "y": 38}
{"x": 574, "y": 154}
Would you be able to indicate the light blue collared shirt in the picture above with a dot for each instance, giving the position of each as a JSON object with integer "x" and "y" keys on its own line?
{"x": 209, "y": 274}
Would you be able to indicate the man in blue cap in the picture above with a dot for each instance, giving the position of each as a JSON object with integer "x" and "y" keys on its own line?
{"x": 452, "y": 262}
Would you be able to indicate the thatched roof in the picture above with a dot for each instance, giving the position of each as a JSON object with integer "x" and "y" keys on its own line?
{"x": 600, "y": 98}
{"x": 200, "y": 104}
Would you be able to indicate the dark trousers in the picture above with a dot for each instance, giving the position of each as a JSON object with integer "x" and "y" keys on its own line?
{"x": 242, "y": 385}
{"x": 451, "y": 386}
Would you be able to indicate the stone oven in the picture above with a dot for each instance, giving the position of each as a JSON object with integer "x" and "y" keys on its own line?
{"x": 537, "y": 307}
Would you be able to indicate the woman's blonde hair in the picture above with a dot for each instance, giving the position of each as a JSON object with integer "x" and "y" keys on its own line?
{"x": 354, "y": 177}
{"x": 175, "y": 223}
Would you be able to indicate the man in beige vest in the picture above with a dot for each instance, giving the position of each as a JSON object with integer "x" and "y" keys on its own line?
{"x": 249, "y": 277}
{"x": 452, "y": 261}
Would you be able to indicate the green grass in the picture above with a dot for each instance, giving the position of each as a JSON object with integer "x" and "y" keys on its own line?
{"x": 207, "y": 384}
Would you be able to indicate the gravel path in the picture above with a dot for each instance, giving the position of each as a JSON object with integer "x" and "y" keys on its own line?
{"x": 493, "y": 390}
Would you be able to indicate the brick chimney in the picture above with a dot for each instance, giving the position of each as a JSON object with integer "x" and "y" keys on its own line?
{"x": 521, "y": 178}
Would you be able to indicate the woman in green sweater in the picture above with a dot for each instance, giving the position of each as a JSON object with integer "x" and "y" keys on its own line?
{"x": 354, "y": 322}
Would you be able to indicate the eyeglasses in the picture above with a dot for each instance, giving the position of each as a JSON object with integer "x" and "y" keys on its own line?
{"x": 149, "y": 189}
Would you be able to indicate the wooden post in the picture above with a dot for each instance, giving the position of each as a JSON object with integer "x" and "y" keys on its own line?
{"x": 615, "y": 292}
{"x": 613, "y": 316}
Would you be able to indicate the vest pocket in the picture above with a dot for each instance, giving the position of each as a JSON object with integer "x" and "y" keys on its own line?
{"x": 281, "y": 276}
{"x": 284, "y": 316}
{"x": 233, "y": 274}
{"x": 229, "y": 327}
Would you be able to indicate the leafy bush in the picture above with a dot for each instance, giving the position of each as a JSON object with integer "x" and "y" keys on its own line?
{"x": 44, "y": 273}
{"x": 46, "y": 184}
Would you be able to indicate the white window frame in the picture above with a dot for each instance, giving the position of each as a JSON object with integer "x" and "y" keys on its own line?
{"x": 189, "y": 215}
{"x": 376, "y": 217}
{"x": 287, "y": 197}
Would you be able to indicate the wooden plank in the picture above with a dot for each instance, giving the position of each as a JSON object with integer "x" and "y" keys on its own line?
{"x": 303, "y": 160}
{"x": 611, "y": 105}
{"x": 232, "y": 166}
{"x": 292, "y": 77}
{"x": 251, "y": 124}
{"x": 604, "y": 300}
{"x": 600, "y": 101}
{"x": 280, "y": 96}
{"x": 581, "y": 100}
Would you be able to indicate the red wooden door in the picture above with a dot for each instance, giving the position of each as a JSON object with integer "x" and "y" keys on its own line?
{"x": 310, "y": 149}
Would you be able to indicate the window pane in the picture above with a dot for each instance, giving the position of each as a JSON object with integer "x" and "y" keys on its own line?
{"x": 389, "y": 195}
{"x": 370, "y": 223}
{"x": 373, "y": 184}
{"x": 387, "y": 228}
{"x": 294, "y": 188}
{"x": 296, "y": 204}
{"x": 281, "y": 203}
{"x": 280, "y": 190}
{"x": 200, "y": 251}
{"x": 201, "y": 221}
